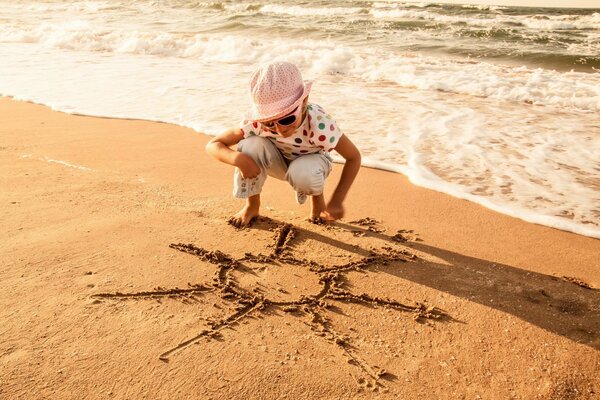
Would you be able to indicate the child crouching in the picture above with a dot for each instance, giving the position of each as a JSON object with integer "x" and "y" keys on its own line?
{"x": 288, "y": 138}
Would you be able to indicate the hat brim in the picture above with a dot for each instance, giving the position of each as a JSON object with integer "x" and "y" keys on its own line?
{"x": 254, "y": 115}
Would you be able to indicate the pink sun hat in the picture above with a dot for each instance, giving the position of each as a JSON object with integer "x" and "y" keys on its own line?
{"x": 277, "y": 89}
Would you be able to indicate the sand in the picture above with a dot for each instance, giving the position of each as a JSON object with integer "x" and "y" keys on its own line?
{"x": 121, "y": 278}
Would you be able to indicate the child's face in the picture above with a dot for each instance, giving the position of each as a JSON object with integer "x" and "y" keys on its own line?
{"x": 279, "y": 125}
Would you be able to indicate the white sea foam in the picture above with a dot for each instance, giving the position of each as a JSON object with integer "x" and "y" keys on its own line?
{"x": 67, "y": 164}
{"x": 77, "y": 6}
{"x": 239, "y": 7}
{"x": 309, "y": 11}
{"x": 484, "y": 7}
{"x": 396, "y": 4}
{"x": 397, "y": 13}
{"x": 536, "y": 22}
{"x": 537, "y": 86}
{"x": 422, "y": 176}
{"x": 60, "y": 162}
{"x": 556, "y": 22}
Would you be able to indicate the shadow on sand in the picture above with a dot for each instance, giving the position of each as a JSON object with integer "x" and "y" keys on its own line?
{"x": 552, "y": 303}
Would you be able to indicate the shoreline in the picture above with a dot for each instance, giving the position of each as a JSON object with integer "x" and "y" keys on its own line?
{"x": 416, "y": 195}
{"x": 93, "y": 204}
{"x": 418, "y": 178}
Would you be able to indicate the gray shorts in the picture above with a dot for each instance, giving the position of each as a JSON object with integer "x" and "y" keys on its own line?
{"x": 306, "y": 173}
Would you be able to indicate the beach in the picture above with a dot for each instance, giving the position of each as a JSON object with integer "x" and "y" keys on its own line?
{"x": 121, "y": 278}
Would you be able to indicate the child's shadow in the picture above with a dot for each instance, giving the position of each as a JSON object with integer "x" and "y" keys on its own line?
{"x": 551, "y": 303}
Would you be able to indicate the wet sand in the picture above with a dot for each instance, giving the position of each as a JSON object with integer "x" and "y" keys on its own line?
{"x": 122, "y": 279}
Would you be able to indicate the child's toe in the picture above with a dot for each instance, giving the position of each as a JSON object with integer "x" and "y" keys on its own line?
{"x": 317, "y": 220}
{"x": 234, "y": 221}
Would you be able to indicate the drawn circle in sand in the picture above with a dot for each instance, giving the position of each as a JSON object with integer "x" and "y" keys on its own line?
{"x": 278, "y": 281}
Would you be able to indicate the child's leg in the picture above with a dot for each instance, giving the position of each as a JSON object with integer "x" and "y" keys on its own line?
{"x": 270, "y": 161}
{"x": 317, "y": 206}
{"x": 307, "y": 176}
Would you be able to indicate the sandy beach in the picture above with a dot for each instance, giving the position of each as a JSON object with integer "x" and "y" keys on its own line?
{"x": 121, "y": 278}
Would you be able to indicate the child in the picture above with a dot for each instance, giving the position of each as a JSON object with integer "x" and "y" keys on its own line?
{"x": 289, "y": 139}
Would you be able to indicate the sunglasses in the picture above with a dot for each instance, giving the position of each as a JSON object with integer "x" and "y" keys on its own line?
{"x": 285, "y": 121}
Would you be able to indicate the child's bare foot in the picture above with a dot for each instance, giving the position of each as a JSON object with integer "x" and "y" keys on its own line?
{"x": 247, "y": 214}
{"x": 317, "y": 220}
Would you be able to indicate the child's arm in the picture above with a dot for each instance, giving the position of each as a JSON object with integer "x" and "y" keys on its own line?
{"x": 348, "y": 150}
{"x": 219, "y": 148}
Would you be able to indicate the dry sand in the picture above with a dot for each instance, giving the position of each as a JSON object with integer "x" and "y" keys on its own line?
{"x": 122, "y": 279}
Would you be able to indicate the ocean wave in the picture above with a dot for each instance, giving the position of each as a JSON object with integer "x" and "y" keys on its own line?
{"x": 402, "y": 13}
{"x": 533, "y": 22}
{"x": 483, "y": 7}
{"x": 78, "y": 6}
{"x": 536, "y": 86}
{"x": 394, "y": 4}
{"x": 558, "y": 22}
{"x": 241, "y": 7}
{"x": 214, "y": 5}
{"x": 301, "y": 11}
{"x": 393, "y": 14}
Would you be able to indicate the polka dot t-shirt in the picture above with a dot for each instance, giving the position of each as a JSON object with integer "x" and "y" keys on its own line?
{"x": 318, "y": 133}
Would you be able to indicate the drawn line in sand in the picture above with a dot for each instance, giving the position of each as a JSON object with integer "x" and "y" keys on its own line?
{"x": 158, "y": 292}
{"x": 215, "y": 327}
{"x": 331, "y": 279}
{"x": 577, "y": 282}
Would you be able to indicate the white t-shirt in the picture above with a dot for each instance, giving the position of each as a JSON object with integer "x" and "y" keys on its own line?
{"x": 318, "y": 133}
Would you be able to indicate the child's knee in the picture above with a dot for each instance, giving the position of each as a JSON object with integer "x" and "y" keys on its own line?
{"x": 252, "y": 145}
{"x": 306, "y": 178}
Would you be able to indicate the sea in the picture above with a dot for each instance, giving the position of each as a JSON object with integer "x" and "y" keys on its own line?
{"x": 496, "y": 105}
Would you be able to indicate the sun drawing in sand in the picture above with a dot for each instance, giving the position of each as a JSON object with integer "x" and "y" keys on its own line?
{"x": 314, "y": 305}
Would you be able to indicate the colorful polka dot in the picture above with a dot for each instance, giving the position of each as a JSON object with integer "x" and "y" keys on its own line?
{"x": 255, "y": 124}
{"x": 331, "y": 128}
{"x": 321, "y": 126}
{"x": 332, "y": 139}
{"x": 322, "y": 138}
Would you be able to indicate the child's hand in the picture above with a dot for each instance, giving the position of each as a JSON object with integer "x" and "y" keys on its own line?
{"x": 247, "y": 166}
